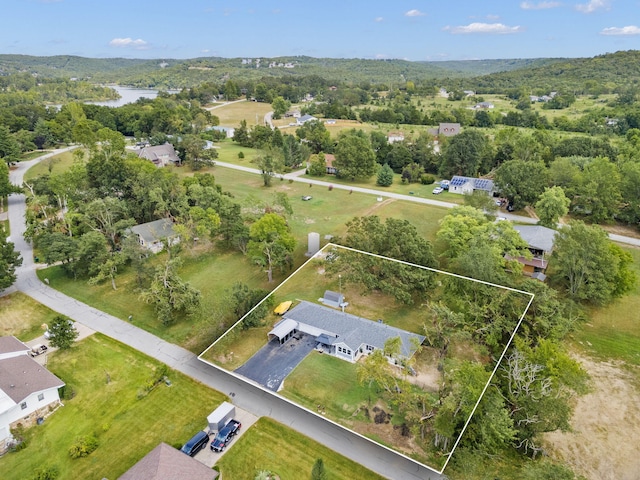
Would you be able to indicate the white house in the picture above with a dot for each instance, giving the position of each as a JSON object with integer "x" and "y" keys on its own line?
{"x": 153, "y": 235}
{"x": 393, "y": 137}
{"x": 304, "y": 119}
{"x": 341, "y": 334}
{"x": 28, "y": 391}
{"x": 468, "y": 185}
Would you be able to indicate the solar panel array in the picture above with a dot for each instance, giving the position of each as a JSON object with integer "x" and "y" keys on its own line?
{"x": 458, "y": 181}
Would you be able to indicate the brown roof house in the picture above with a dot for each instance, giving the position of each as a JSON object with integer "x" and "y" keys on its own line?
{"x": 160, "y": 155}
{"x": 166, "y": 463}
{"x": 28, "y": 391}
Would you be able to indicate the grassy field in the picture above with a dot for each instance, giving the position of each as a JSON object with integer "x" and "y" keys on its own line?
{"x": 57, "y": 164}
{"x": 232, "y": 114}
{"x": 271, "y": 446}
{"x": 613, "y": 332}
{"x": 23, "y": 317}
{"x": 126, "y": 424}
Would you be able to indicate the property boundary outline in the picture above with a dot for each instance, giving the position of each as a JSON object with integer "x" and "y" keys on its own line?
{"x": 317, "y": 255}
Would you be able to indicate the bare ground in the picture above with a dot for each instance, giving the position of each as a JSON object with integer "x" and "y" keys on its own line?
{"x": 605, "y": 441}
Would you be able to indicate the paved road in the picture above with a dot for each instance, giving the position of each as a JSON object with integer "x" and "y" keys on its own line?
{"x": 249, "y": 397}
{"x": 297, "y": 177}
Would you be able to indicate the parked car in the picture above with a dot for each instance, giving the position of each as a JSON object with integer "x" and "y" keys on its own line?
{"x": 37, "y": 350}
{"x": 225, "y": 435}
{"x": 197, "y": 443}
{"x": 437, "y": 190}
{"x": 306, "y": 198}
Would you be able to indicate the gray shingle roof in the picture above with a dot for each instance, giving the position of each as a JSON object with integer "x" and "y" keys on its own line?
{"x": 166, "y": 463}
{"x": 160, "y": 153}
{"x": 156, "y": 230}
{"x": 352, "y": 330}
{"x": 11, "y": 345}
{"x": 21, "y": 376}
{"x": 537, "y": 236}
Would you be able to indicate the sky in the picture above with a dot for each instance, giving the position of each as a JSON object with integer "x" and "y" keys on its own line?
{"x": 416, "y": 30}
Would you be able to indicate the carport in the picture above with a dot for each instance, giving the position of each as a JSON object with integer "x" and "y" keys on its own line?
{"x": 284, "y": 330}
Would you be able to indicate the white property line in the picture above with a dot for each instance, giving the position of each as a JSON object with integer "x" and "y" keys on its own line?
{"x": 318, "y": 254}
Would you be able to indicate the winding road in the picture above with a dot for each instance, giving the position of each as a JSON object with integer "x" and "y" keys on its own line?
{"x": 249, "y": 397}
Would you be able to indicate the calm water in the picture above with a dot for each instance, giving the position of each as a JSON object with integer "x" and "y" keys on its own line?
{"x": 129, "y": 95}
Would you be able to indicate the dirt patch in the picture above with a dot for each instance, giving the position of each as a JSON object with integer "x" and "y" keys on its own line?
{"x": 621, "y": 230}
{"x": 373, "y": 208}
{"x": 606, "y": 426}
{"x": 427, "y": 378}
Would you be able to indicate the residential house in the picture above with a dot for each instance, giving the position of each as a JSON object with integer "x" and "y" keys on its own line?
{"x": 446, "y": 130}
{"x": 341, "y": 334}
{"x": 166, "y": 463}
{"x": 328, "y": 160}
{"x": 160, "y": 155}
{"x": 468, "y": 185}
{"x": 153, "y": 235}
{"x": 304, "y": 119}
{"x": 540, "y": 241}
{"x": 483, "y": 106}
{"x": 393, "y": 137}
{"x": 28, "y": 391}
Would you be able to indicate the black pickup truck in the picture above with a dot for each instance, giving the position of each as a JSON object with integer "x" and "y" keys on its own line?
{"x": 225, "y": 435}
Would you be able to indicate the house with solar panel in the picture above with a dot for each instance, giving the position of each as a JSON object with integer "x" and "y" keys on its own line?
{"x": 341, "y": 334}
{"x": 468, "y": 185}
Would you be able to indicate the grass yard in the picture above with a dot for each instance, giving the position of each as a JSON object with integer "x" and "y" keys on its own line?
{"x": 613, "y": 332}
{"x": 23, "y": 317}
{"x": 232, "y": 114}
{"x": 238, "y": 346}
{"x": 57, "y": 164}
{"x": 269, "y": 445}
{"x": 127, "y": 427}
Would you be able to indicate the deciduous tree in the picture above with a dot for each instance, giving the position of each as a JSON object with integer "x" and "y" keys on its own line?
{"x": 551, "y": 205}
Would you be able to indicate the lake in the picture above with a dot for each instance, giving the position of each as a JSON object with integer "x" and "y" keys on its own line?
{"x": 129, "y": 95}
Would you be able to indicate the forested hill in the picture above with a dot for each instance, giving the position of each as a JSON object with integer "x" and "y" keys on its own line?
{"x": 579, "y": 75}
{"x": 185, "y": 73}
{"x": 544, "y": 74}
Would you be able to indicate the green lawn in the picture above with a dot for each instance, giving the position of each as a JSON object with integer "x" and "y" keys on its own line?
{"x": 613, "y": 332}
{"x": 271, "y": 446}
{"x": 23, "y": 317}
{"x": 126, "y": 425}
{"x": 53, "y": 165}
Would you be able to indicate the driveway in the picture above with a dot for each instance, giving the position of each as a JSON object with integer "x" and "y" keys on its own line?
{"x": 273, "y": 362}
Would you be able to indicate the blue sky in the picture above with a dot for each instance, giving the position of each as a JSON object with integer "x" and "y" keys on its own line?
{"x": 412, "y": 30}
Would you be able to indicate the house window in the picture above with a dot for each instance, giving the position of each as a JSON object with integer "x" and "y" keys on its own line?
{"x": 23, "y": 405}
{"x": 40, "y": 397}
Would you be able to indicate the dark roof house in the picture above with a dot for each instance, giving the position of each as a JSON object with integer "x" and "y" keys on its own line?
{"x": 166, "y": 463}
{"x": 160, "y": 155}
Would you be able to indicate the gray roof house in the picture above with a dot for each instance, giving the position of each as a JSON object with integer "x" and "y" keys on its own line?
{"x": 341, "y": 334}
{"x": 152, "y": 235}
{"x": 304, "y": 119}
{"x": 166, "y": 463}
{"x": 468, "y": 185}
{"x": 160, "y": 155}
{"x": 28, "y": 390}
{"x": 538, "y": 238}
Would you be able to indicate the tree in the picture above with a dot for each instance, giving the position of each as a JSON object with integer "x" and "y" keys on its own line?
{"x": 280, "y": 107}
{"x": 318, "y": 472}
{"x": 268, "y": 166}
{"x": 9, "y": 146}
{"x": 271, "y": 243}
{"x": 355, "y": 158}
{"x": 9, "y": 260}
{"x": 197, "y": 156}
{"x": 587, "y": 265}
{"x": 521, "y": 182}
{"x": 552, "y": 204}
{"x": 465, "y": 154}
{"x": 62, "y": 332}
{"x": 316, "y": 133}
{"x": 598, "y": 195}
{"x": 385, "y": 176}
{"x": 241, "y": 135}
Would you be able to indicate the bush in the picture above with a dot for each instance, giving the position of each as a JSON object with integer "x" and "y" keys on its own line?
{"x": 427, "y": 179}
{"x": 83, "y": 446}
{"x": 67, "y": 392}
{"x": 240, "y": 155}
{"x": 46, "y": 473}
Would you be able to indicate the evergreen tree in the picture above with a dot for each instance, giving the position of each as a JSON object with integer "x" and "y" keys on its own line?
{"x": 385, "y": 176}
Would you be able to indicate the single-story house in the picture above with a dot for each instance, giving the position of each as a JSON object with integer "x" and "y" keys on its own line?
{"x": 328, "y": 160}
{"x": 483, "y": 106}
{"x": 341, "y": 334}
{"x": 160, "y": 155}
{"x": 153, "y": 235}
{"x": 393, "y": 137}
{"x": 446, "y": 130}
{"x": 468, "y": 185}
{"x": 166, "y": 463}
{"x": 228, "y": 131}
{"x": 540, "y": 241}
{"x": 304, "y": 119}
{"x": 28, "y": 391}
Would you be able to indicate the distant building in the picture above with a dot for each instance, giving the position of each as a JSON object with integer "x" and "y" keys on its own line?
{"x": 328, "y": 160}
{"x": 483, "y": 106}
{"x": 304, "y": 119}
{"x": 160, "y": 155}
{"x": 446, "y": 130}
{"x": 393, "y": 137}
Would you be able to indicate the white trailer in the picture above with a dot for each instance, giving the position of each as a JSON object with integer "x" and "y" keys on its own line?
{"x": 221, "y": 416}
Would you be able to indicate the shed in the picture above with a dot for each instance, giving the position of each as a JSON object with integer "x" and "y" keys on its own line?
{"x": 333, "y": 299}
{"x": 221, "y": 416}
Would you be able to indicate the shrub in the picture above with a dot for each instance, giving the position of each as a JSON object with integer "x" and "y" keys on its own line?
{"x": 240, "y": 155}
{"x": 83, "y": 446}
{"x": 427, "y": 179}
{"x": 46, "y": 473}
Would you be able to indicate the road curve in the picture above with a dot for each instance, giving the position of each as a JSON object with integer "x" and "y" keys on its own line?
{"x": 244, "y": 395}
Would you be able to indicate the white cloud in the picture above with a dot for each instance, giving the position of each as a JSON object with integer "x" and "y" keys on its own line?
{"x": 628, "y": 30}
{"x": 491, "y": 28}
{"x": 539, "y": 5}
{"x": 378, "y": 19}
{"x": 137, "y": 44}
{"x": 593, "y": 5}
{"x": 493, "y": 17}
{"x": 414, "y": 13}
